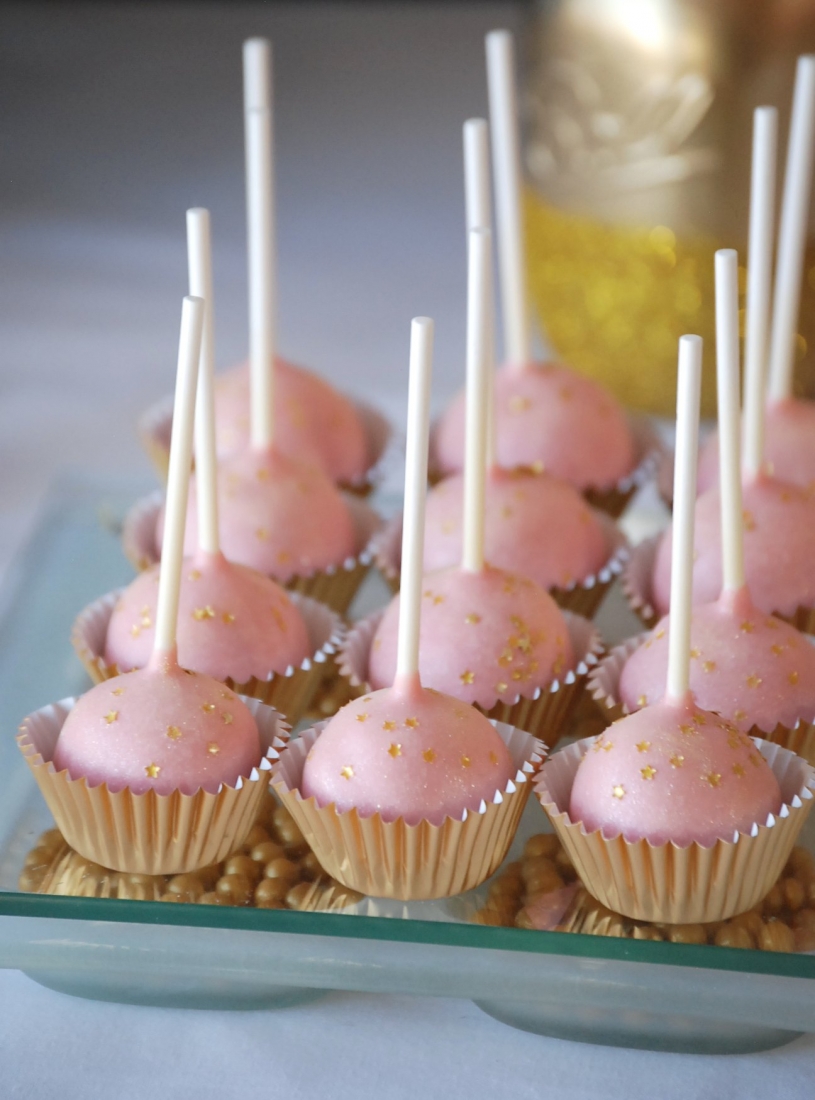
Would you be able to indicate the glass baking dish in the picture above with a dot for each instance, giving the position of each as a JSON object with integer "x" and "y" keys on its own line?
{"x": 617, "y": 991}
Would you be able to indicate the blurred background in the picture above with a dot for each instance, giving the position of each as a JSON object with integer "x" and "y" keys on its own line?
{"x": 116, "y": 117}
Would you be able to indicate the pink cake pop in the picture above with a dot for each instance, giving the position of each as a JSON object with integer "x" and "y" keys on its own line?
{"x": 161, "y": 728}
{"x": 485, "y": 635}
{"x": 673, "y": 773}
{"x": 546, "y": 416}
{"x": 536, "y": 526}
{"x": 234, "y": 622}
{"x": 313, "y": 421}
{"x": 407, "y": 751}
{"x": 752, "y": 668}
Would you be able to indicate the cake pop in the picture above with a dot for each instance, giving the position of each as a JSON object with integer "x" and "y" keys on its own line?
{"x": 546, "y": 416}
{"x": 789, "y": 422}
{"x": 161, "y": 728}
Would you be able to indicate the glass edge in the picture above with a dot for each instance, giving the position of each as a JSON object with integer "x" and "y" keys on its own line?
{"x": 437, "y": 933}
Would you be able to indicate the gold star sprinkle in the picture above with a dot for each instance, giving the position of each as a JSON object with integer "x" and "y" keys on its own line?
{"x": 362, "y": 717}
{"x": 195, "y": 575}
{"x": 506, "y": 658}
{"x": 643, "y": 746}
{"x": 213, "y": 748}
{"x": 713, "y": 779}
{"x": 227, "y": 695}
{"x": 117, "y": 691}
{"x": 501, "y": 687}
{"x": 747, "y": 627}
{"x": 755, "y": 759}
{"x": 648, "y": 772}
{"x": 429, "y": 755}
{"x": 472, "y": 619}
{"x": 173, "y": 732}
{"x": 739, "y": 771}
{"x": 608, "y": 746}
{"x": 740, "y": 716}
{"x": 776, "y": 649}
{"x": 659, "y": 634}
{"x": 389, "y": 726}
{"x": 467, "y": 677}
{"x": 793, "y": 677}
{"x": 694, "y": 653}
{"x": 208, "y": 708}
{"x": 261, "y": 534}
{"x": 226, "y": 717}
{"x": 749, "y": 521}
{"x": 465, "y": 761}
{"x": 135, "y": 630}
{"x": 395, "y": 750}
{"x": 494, "y": 758}
{"x": 111, "y": 716}
{"x": 347, "y": 772}
{"x": 201, "y": 613}
{"x": 411, "y": 723}
{"x": 262, "y": 474}
{"x": 642, "y": 701}
{"x": 519, "y": 404}
{"x": 688, "y": 730}
{"x": 228, "y": 617}
{"x": 753, "y": 680}
{"x": 677, "y": 760}
{"x": 708, "y": 666}
{"x": 618, "y": 791}
{"x": 151, "y": 771}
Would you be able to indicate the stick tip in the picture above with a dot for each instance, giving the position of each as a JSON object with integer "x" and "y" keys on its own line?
{"x": 257, "y": 64}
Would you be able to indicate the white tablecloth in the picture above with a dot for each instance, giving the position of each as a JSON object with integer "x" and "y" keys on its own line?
{"x": 115, "y": 119}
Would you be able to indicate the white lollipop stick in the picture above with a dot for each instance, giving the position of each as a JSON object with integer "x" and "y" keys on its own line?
{"x": 257, "y": 102}
{"x": 478, "y": 205}
{"x": 178, "y": 480}
{"x": 792, "y": 232}
{"x": 506, "y": 161}
{"x": 759, "y": 278}
{"x": 479, "y": 378}
{"x": 199, "y": 264}
{"x": 687, "y": 442}
{"x": 477, "y": 197}
{"x": 418, "y": 427}
{"x": 727, "y": 396}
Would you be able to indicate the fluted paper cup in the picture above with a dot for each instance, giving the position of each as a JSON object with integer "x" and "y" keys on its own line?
{"x": 335, "y": 586}
{"x": 583, "y": 597}
{"x": 392, "y": 859}
{"x": 676, "y": 885}
{"x": 148, "y": 833}
{"x": 290, "y": 692}
{"x": 155, "y": 427}
{"x": 545, "y": 713}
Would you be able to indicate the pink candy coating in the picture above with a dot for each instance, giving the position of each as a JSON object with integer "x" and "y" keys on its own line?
{"x": 312, "y": 420}
{"x": 277, "y": 515}
{"x": 789, "y": 445}
{"x": 547, "y": 417}
{"x": 751, "y": 668}
{"x": 779, "y": 548}
{"x": 232, "y": 622}
{"x": 160, "y": 729}
{"x": 535, "y": 526}
{"x": 673, "y": 773}
{"x": 414, "y": 754}
{"x": 483, "y": 637}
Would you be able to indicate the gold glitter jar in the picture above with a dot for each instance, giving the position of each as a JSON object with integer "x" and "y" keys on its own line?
{"x": 638, "y": 125}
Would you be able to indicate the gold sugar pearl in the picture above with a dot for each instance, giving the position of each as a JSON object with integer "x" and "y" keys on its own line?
{"x": 243, "y": 865}
{"x": 776, "y": 936}
{"x": 734, "y": 935}
{"x": 271, "y": 891}
{"x": 267, "y": 851}
{"x": 283, "y": 869}
{"x": 256, "y": 835}
{"x": 238, "y": 888}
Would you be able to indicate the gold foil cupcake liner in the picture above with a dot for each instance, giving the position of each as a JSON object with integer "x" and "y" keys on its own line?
{"x": 544, "y": 714}
{"x": 391, "y": 859}
{"x": 649, "y": 452}
{"x": 148, "y": 833}
{"x": 582, "y": 598}
{"x": 335, "y": 586}
{"x": 603, "y": 686}
{"x": 154, "y": 428}
{"x": 637, "y": 585}
{"x": 291, "y": 692}
{"x": 666, "y": 883}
